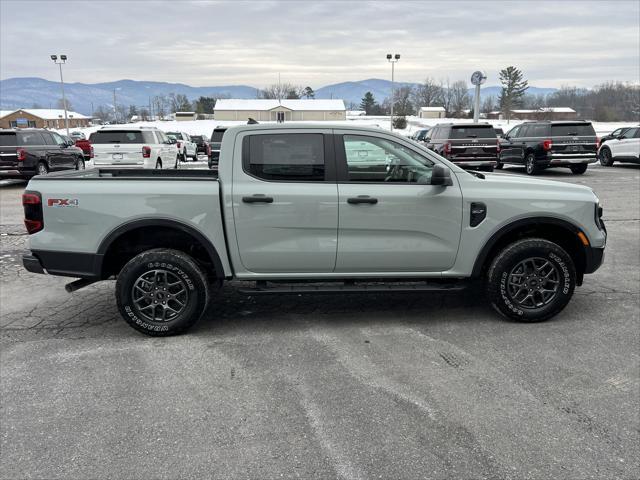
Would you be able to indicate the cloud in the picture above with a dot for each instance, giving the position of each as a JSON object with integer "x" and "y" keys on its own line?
{"x": 315, "y": 43}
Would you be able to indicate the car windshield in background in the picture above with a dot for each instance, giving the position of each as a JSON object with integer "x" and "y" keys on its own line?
{"x": 117, "y": 137}
{"x": 176, "y": 135}
{"x": 197, "y": 138}
{"x": 8, "y": 140}
{"x": 569, "y": 130}
{"x": 472, "y": 132}
{"x": 217, "y": 135}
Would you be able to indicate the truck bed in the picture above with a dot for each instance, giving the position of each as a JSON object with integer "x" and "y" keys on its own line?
{"x": 131, "y": 174}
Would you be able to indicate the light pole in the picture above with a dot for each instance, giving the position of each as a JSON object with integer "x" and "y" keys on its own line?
{"x": 63, "y": 59}
{"x": 392, "y": 59}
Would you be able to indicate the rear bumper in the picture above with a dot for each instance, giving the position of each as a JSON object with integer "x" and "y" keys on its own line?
{"x": 475, "y": 162}
{"x": 559, "y": 160}
{"x": 66, "y": 264}
{"x": 16, "y": 173}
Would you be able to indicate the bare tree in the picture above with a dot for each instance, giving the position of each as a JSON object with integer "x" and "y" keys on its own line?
{"x": 447, "y": 98}
{"x": 403, "y": 104}
{"x": 102, "y": 113}
{"x": 282, "y": 90}
{"x": 460, "y": 99}
{"x": 60, "y": 104}
{"x": 488, "y": 104}
{"x": 428, "y": 94}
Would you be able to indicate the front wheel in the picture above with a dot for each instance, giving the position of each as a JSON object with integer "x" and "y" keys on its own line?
{"x": 530, "y": 164}
{"x": 499, "y": 166}
{"x": 578, "y": 169}
{"x": 531, "y": 280}
{"x": 162, "y": 292}
{"x": 606, "y": 159}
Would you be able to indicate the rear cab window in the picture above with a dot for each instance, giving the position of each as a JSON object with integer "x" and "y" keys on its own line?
{"x": 118, "y": 136}
{"x": 472, "y": 131}
{"x": 573, "y": 130}
{"x": 285, "y": 157}
{"x": 217, "y": 135}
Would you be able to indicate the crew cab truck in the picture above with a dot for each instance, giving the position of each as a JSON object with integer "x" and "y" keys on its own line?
{"x": 313, "y": 209}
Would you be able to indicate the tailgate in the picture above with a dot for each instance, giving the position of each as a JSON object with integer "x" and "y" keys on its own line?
{"x": 480, "y": 148}
{"x": 8, "y": 151}
{"x": 574, "y": 145}
{"x": 117, "y": 154}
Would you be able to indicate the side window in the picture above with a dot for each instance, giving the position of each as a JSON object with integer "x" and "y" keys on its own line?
{"x": 513, "y": 133}
{"x": 433, "y": 134}
{"x": 30, "y": 139}
{"x": 57, "y": 138}
{"x": 48, "y": 138}
{"x": 290, "y": 157}
{"x": 524, "y": 131}
{"x": 539, "y": 130}
{"x": 372, "y": 159}
{"x": 162, "y": 138}
{"x": 637, "y": 135}
{"x": 631, "y": 133}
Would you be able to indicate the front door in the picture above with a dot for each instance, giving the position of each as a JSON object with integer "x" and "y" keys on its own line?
{"x": 285, "y": 202}
{"x": 63, "y": 154}
{"x": 391, "y": 218}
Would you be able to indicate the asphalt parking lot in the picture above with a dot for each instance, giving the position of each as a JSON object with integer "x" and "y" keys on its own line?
{"x": 355, "y": 387}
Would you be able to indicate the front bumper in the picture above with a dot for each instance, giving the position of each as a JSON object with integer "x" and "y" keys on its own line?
{"x": 594, "y": 257}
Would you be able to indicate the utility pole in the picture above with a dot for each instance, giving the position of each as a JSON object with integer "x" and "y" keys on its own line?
{"x": 392, "y": 59}
{"x": 63, "y": 59}
{"x": 115, "y": 111}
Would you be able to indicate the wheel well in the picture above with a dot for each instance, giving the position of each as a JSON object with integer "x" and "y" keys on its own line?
{"x": 562, "y": 235}
{"x": 137, "y": 240}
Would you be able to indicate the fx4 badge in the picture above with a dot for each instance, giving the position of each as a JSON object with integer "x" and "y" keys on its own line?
{"x": 62, "y": 202}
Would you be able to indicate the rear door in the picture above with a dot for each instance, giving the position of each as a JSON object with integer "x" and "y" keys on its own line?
{"x": 118, "y": 147}
{"x": 391, "y": 218}
{"x": 8, "y": 151}
{"x": 285, "y": 202}
{"x": 574, "y": 140}
{"x": 629, "y": 144}
{"x": 507, "y": 145}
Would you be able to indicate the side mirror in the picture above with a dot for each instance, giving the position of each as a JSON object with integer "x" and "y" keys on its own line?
{"x": 426, "y": 139}
{"x": 441, "y": 175}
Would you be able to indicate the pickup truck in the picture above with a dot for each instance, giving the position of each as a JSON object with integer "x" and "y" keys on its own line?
{"x": 86, "y": 147}
{"x": 313, "y": 209}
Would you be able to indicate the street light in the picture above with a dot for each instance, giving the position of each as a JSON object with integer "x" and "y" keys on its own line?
{"x": 392, "y": 59}
{"x": 63, "y": 59}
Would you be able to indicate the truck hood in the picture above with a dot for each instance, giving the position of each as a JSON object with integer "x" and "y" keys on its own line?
{"x": 544, "y": 188}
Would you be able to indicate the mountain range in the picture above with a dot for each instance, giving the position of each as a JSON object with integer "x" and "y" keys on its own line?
{"x": 27, "y": 92}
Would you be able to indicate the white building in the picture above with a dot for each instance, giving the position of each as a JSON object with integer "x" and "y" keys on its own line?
{"x": 431, "y": 112}
{"x": 264, "y": 110}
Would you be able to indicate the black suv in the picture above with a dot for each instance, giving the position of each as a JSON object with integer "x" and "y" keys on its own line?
{"x": 216, "y": 140}
{"x": 202, "y": 144}
{"x": 543, "y": 144}
{"x": 469, "y": 145}
{"x": 30, "y": 151}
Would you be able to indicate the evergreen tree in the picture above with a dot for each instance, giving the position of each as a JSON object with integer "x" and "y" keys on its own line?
{"x": 308, "y": 93}
{"x": 514, "y": 87}
{"x": 368, "y": 103}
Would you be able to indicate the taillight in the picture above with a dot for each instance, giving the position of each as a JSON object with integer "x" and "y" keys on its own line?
{"x": 22, "y": 154}
{"x": 32, "y": 204}
{"x": 146, "y": 152}
{"x": 447, "y": 148}
{"x": 208, "y": 150}
{"x": 179, "y": 145}
{"x": 547, "y": 144}
{"x": 598, "y": 142}
{"x": 498, "y": 147}
{"x": 91, "y": 152}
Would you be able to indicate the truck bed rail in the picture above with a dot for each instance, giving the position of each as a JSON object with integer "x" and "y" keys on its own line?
{"x": 131, "y": 174}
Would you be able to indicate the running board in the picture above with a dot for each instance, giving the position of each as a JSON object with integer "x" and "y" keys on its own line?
{"x": 262, "y": 288}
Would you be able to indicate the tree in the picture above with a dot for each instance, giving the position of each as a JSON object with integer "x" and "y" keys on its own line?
{"x": 292, "y": 94}
{"x": 368, "y": 103}
{"x": 447, "y": 99}
{"x": 281, "y": 90}
{"x": 308, "y": 93}
{"x": 204, "y": 104}
{"x": 460, "y": 99}
{"x": 133, "y": 111}
{"x": 402, "y": 104}
{"x": 488, "y": 104}
{"x": 514, "y": 87}
{"x": 102, "y": 113}
{"x": 60, "y": 104}
{"x": 427, "y": 94}
{"x": 120, "y": 114}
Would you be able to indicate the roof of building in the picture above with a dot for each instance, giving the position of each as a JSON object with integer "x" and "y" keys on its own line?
{"x": 558, "y": 109}
{"x": 432, "y": 109}
{"x": 45, "y": 113}
{"x": 268, "y": 104}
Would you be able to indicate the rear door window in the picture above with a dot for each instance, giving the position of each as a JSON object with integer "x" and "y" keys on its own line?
{"x": 631, "y": 133}
{"x": 570, "y": 130}
{"x": 539, "y": 130}
{"x": 288, "y": 157}
{"x": 117, "y": 136}
{"x": 30, "y": 139}
{"x": 472, "y": 132}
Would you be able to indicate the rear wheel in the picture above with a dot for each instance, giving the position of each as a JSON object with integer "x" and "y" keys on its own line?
{"x": 579, "y": 169}
{"x": 606, "y": 159}
{"x": 486, "y": 169}
{"x": 162, "y": 292}
{"x": 43, "y": 169}
{"x": 499, "y": 166}
{"x": 530, "y": 164}
{"x": 80, "y": 164}
{"x": 531, "y": 280}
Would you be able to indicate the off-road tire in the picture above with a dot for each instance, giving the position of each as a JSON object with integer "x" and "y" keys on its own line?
{"x": 499, "y": 274}
{"x": 606, "y": 159}
{"x": 579, "y": 168}
{"x": 42, "y": 168}
{"x": 180, "y": 267}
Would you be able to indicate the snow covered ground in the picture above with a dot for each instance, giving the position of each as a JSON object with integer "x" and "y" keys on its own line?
{"x": 205, "y": 127}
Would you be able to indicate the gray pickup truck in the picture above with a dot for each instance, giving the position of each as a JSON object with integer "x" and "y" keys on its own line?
{"x": 313, "y": 209}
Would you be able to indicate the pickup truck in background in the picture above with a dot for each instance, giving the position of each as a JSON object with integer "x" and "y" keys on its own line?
{"x": 313, "y": 209}
{"x": 85, "y": 146}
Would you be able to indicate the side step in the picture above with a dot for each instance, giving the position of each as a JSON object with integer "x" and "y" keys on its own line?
{"x": 264, "y": 288}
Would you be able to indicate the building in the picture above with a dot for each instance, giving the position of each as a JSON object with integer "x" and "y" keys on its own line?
{"x": 184, "y": 116}
{"x": 431, "y": 112}
{"x": 356, "y": 113}
{"x": 41, "y": 118}
{"x": 544, "y": 113}
{"x": 265, "y": 110}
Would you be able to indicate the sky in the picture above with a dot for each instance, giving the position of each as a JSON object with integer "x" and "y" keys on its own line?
{"x": 208, "y": 43}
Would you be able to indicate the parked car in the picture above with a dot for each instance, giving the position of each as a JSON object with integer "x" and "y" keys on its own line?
{"x": 499, "y": 131}
{"x": 77, "y": 135}
{"x": 202, "y": 144}
{"x": 34, "y": 151}
{"x": 133, "y": 147}
{"x": 186, "y": 147}
{"x": 545, "y": 144}
{"x": 469, "y": 145}
{"x": 86, "y": 147}
{"x": 623, "y": 148}
{"x": 420, "y": 135}
{"x": 615, "y": 134}
{"x": 301, "y": 204}
{"x": 216, "y": 140}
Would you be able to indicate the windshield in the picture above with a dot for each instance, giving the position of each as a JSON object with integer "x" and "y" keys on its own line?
{"x": 197, "y": 138}
{"x": 569, "y": 130}
{"x": 176, "y": 135}
{"x": 472, "y": 132}
{"x": 217, "y": 135}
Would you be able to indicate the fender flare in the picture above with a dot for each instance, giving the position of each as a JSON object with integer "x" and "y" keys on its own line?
{"x": 508, "y": 228}
{"x": 116, "y": 233}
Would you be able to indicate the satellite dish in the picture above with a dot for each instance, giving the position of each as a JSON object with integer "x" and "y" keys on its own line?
{"x": 478, "y": 77}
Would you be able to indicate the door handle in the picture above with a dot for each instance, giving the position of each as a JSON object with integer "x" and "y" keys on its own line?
{"x": 362, "y": 199}
{"x": 257, "y": 199}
